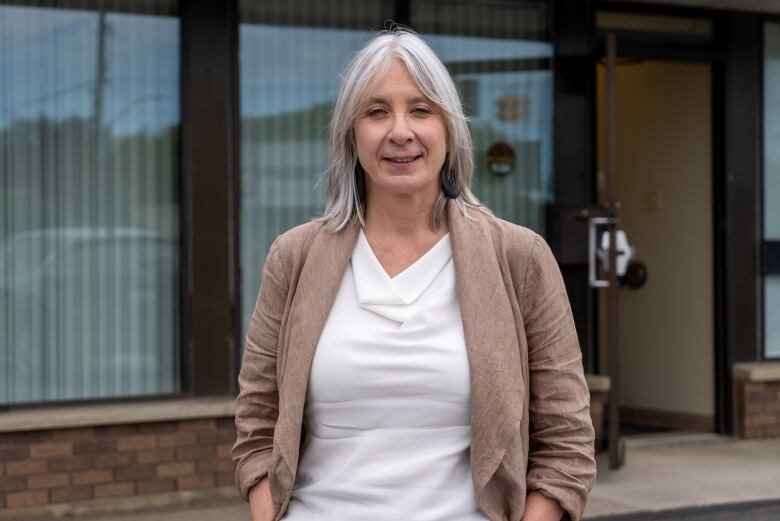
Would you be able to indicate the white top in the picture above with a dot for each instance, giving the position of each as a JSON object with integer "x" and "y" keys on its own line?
{"x": 387, "y": 407}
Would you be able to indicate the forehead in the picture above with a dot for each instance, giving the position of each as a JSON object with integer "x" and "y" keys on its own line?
{"x": 397, "y": 82}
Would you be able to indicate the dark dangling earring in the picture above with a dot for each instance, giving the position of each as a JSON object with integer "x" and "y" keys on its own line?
{"x": 449, "y": 186}
{"x": 360, "y": 181}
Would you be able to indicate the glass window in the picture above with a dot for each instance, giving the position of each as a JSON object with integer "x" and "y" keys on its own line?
{"x": 290, "y": 59}
{"x": 89, "y": 231}
{"x": 772, "y": 185}
{"x": 500, "y": 55}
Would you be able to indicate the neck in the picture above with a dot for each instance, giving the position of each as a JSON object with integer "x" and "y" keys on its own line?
{"x": 401, "y": 215}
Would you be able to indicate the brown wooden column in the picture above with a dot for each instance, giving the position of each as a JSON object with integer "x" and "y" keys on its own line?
{"x": 209, "y": 39}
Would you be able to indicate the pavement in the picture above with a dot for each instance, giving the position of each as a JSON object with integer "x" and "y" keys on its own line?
{"x": 686, "y": 471}
{"x": 667, "y": 476}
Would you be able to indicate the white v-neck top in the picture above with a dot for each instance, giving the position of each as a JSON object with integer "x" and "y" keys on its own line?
{"x": 387, "y": 406}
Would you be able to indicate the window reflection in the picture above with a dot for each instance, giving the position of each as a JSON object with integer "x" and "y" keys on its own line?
{"x": 500, "y": 56}
{"x": 89, "y": 114}
{"x": 772, "y": 182}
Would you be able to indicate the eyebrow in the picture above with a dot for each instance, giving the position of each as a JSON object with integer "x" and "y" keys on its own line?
{"x": 416, "y": 99}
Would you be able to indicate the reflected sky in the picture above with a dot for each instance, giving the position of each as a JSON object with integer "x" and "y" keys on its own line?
{"x": 48, "y": 59}
{"x": 306, "y": 62}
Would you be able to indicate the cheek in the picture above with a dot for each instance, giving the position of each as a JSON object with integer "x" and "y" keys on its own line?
{"x": 365, "y": 143}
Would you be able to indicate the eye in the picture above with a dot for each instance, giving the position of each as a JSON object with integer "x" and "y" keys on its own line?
{"x": 422, "y": 110}
{"x": 375, "y": 112}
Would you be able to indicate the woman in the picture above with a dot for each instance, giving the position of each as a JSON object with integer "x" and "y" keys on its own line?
{"x": 411, "y": 356}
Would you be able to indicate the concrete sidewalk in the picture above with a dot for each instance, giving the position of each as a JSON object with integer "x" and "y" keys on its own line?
{"x": 683, "y": 471}
{"x": 661, "y": 473}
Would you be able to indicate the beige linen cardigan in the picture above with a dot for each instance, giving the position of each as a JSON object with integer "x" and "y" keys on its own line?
{"x": 530, "y": 418}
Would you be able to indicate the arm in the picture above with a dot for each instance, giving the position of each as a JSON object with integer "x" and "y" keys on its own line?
{"x": 561, "y": 465}
{"x": 257, "y": 404}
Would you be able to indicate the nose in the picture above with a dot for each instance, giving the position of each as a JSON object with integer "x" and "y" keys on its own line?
{"x": 400, "y": 132}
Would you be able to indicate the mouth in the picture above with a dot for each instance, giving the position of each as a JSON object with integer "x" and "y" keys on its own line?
{"x": 402, "y": 160}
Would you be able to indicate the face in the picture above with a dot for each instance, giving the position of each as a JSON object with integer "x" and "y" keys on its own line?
{"x": 401, "y": 137}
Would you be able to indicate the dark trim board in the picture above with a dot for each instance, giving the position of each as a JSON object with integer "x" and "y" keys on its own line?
{"x": 209, "y": 172}
{"x": 740, "y": 189}
{"x": 574, "y": 160}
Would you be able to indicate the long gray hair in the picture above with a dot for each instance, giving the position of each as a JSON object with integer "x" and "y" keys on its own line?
{"x": 345, "y": 196}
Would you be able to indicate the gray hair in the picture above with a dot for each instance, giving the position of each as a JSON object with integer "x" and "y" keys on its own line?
{"x": 345, "y": 200}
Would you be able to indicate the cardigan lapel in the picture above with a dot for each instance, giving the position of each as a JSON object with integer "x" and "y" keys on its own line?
{"x": 316, "y": 291}
{"x": 491, "y": 342}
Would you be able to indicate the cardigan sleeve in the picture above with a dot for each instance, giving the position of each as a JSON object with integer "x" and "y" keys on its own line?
{"x": 257, "y": 404}
{"x": 561, "y": 463}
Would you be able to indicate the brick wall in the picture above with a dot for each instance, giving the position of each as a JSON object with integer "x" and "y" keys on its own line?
{"x": 757, "y": 409}
{"x": 65, "y": 465}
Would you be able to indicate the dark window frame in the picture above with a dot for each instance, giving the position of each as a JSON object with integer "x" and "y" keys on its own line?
{"x": 210, "y": 197}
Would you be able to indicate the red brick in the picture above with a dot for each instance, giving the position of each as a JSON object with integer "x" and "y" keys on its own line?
{"x": 25, "y": 467}
{"x": 225, "y": 479}
{"x": 165, "y": 470}
{"x": 2, "y": 500}
{"x": 158, "y": 427}
{"x": 94, "y": 446}
{"x": 752, "y": 407}
{"x": 195, "y": 453}
{"x": 772, "y": 430}
{"x": 51, "y": 448}
{"x": 156, "y": 456}
{"x": 194, "y": 482}
{"x": 154, "y": 486}
{"x": 71, "y": 463}
{"x": 133, "y": 472}
{"x": 27, "y": 498}
{"x": 114, "y": 459}
{"x": 217, "y": 436}
{"x": 110, "y": 431}
{"x": 216, "y": 465}
{"x": 751, "y": 431}
{"x": 47, "y": 481}
{"x": 204, "y": 424}
{"x": 12, "y": 484}
{"x": 223, "y": 451}
{"x": 115, "y": 489}
{"x": 137, "y": 442}
{"x": 81, "y": 433}
{"x": 2, "y": 468}
{"x": 228, "y": 422}
{"x": 89, "y": 477}
{"x": 24, "y": 437}
{"x": 176, "y": 439}
{"x": 12, "y": 452}
{"x": 60, "y": 495}
{"x": 773, "y": 406}
{"x": 762, "y": 419}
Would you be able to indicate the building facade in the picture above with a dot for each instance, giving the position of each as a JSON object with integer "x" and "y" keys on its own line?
{"x": 150, "y": 152}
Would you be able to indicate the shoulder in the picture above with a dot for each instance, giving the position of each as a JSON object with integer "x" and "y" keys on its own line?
{"x": 522, "y": 253}
{"x": 289, "y": 249}
{"x": 518, "y": 244}
{"x": 298, "y": 237}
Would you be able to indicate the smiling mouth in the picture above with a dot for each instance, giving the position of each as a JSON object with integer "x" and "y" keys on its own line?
{"x": 402, "y": 160}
